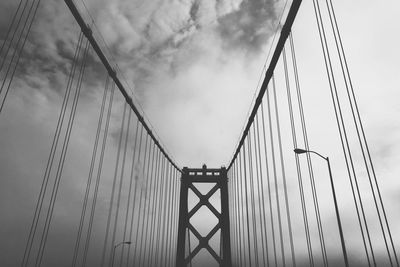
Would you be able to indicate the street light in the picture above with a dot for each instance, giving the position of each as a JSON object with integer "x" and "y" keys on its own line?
{"x": 302, "y": 151}
{"x": 117, "y": 245}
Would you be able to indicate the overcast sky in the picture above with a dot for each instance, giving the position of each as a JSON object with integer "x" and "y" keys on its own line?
{"x": 194, "y": 67}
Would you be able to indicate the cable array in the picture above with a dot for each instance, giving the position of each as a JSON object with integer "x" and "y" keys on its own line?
{"x": 13, "y": 44}
{"x": 142, "y": 202}
{"x": 262, "y": 227}
{"x": 247, "y": 170}
{"x": 74, "y": 86}
{"x": 147, "y": 185}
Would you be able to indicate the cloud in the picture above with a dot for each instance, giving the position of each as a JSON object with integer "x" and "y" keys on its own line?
{"x": 150, "y": 38}
{"x": 249, "y": 26}
{"x": 147, "y": 38}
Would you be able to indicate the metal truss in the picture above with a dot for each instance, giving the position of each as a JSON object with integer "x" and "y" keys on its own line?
{"x": 204, "y": 175}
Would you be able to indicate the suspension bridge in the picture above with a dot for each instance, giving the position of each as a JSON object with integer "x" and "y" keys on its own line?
{"x": 138, "y": 206}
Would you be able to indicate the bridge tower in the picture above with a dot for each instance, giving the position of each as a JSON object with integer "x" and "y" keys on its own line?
{"x": 204, "y": 175}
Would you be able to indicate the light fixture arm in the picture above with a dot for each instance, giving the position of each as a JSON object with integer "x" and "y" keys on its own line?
{"x": 316, "y": 153}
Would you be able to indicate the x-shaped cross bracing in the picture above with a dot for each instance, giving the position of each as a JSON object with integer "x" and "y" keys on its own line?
{"x": 204, "y": 200}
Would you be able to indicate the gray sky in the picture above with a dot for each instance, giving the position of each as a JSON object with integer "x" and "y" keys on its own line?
{"x": 194, "y": 67}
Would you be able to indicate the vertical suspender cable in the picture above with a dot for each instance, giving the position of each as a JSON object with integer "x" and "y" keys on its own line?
{"x": 231, "y": 213}
{"x": 252, "y": 200}
{"x": 19, "y": 51}
{"x": 176, "y": 201}
{"x": 307, "y": 147}
{"x": 146, "y": 185}
{"x": 10, "y": 43}
{"x": 247, "y": 202}
{"x": 342, "y": 130}
{"x": 155, "y": 210}
{"x": 154, "y": 237}
{"x": 278, "y": 128}
{"x": 261, "y": 197}
{"x": 178, "y": 185}
{"x": 241, "y": 249}
{"x": 134, "y": 196}
{"x": 110, "y": 207}
{"x": 139, "y": 210}
{"x": 165, "y": 225}
{"x": 308, "y": 156}
{"x": 171, "y": 219}
{"x": 230, "y": 221}
{"x": 147, "y": 198}
{"x": 242, "y": 205}
{"x": 128, "y": 202}
{"x": 149, "y": 209}
{"x": 160, "y": 211}
{"x": 174, "y": 241}
{"x": 165, "y": 196}
{"x": 352, "y": 100}
{"x": 89, "y": 179}
{"x": 234, "y": 215}
{"x": 10, "y": 28}
{"x": 298, "y": 169}
{"x": 158, "y": 208}
{"x": 61, "y": 162}
{"x": 145, "y": 210}
{"x": 121, "y": 182}
{"x": 364, "y": 137}
{"x": 168, "y": 227}
{"x": 99, "y": 170}
{"x": 259, "y": 189}
{"x": 170, "y": 215}
{"x": 170, "y": 240}
{"x": 236, "y": 218}
{"x": 50, "y": 160}
{"x": 275, "y": 176}
{"x": 269, "y": 186}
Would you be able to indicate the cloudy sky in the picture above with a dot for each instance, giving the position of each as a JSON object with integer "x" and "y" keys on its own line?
{"x": 193, "y": 67}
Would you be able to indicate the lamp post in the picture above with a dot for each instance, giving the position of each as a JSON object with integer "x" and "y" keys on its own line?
{"x": 117, "y": 245}
{"x": 302, "y": 151}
